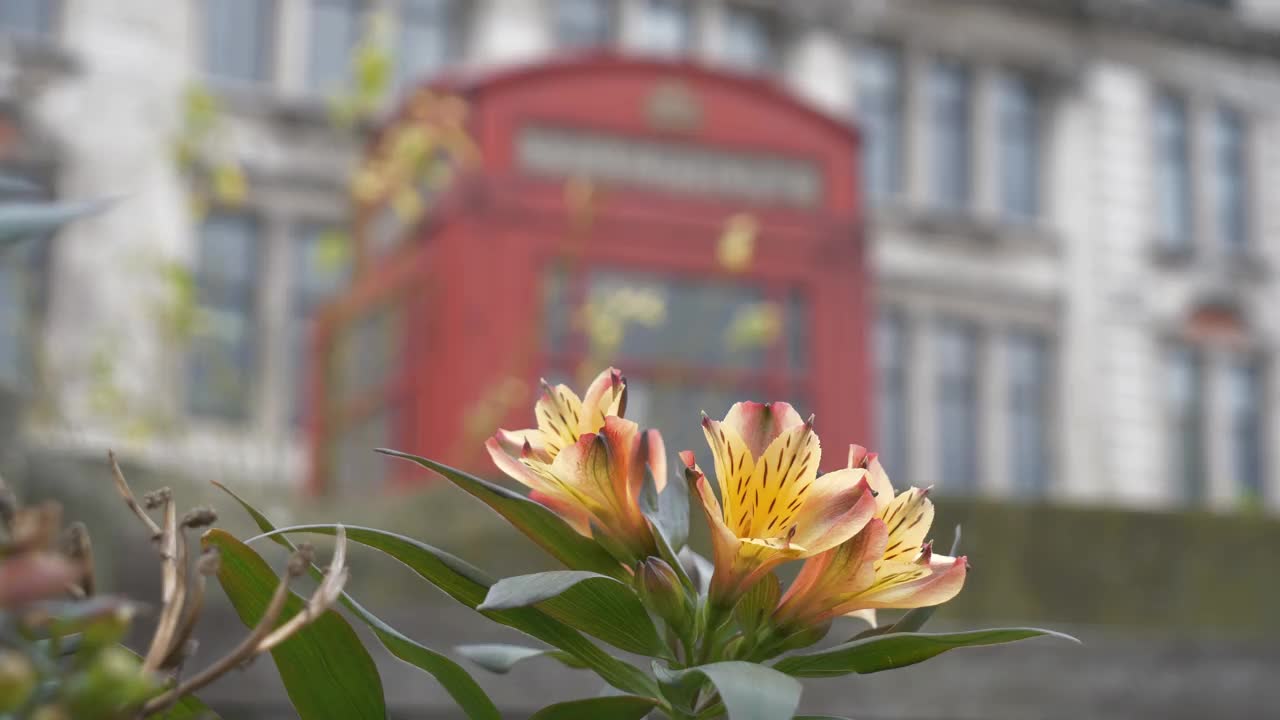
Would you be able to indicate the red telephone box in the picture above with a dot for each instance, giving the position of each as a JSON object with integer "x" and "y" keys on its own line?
{"x": 450, "y": 322}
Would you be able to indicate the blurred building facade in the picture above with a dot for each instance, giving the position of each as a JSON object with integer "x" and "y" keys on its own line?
{"x": 1074, "y": 250}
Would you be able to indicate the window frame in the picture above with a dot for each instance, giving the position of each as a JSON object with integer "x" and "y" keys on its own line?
{"x": 895, "y": 57}
{"x": 769, "y": 61}
{"x": 50, "y": 21}
{"x": 965, "y": 138}
{"x": 612, "y": 30}
{"x": 267, "y": 75}
{"x": 973, "y": 331}
{"x": 1183, "y": 240}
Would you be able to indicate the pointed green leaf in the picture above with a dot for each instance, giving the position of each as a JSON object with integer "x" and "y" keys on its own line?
{"x": 540, "y": 524}
{"x": 887, "y": 652}
{"x": 595, "y": 604}
{"x": 499, "y": 658}
{"x": 616, "y": 707}
{"x": 325, "y": 669}
{"x": 25, "y": 220}
{"x": 464, "y": 690}
{"x": 188, "y": 708}
{"x": 748, "y": 691}
{"x": 668, "y": 509}
{"x": 468, "y": 585}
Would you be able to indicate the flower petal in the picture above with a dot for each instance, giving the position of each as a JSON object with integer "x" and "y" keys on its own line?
{"x": 604, "y": 397}
{"x": 734, "y": 464}
{"x": 759, "y": 424}
{"x": 724, "y": 544}
{"x": 622, "y": 440}
{"x": 516, "y": 470}
{"x": 912, "y": 585}
{"x": 514, "y": 442}
{"x": 833, "y": 509}
{"x": 859, "y": 457}
{"x": 572, "y": 513}
{"x": 652, "y": 452}
{"x": 908, "y": 518}
{"x": 827, "y": 579}
{"x": 778, "y": 485}
{"x": 559, "y": 413}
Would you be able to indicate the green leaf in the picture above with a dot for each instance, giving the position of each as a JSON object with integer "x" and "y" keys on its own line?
{"x": 468, "y": 585}
{"x": 324, "y": 667}
{"x": 668, "y": 509}
{"x": 188, "y": 708}
{"x": 616, "y": 707}
{"x": 540, "y": 524}
{"x": 748, "y": 691}
{"x": 25, "y": 220}
{"x": 499, "y": 658}
{"x": 595, "y": 604}
{"x": 887, "y": 652}
{"x": 456, "y": 681}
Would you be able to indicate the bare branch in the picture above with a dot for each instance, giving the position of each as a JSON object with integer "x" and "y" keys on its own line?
{"x": 122, "y": 486}
{"x": 173, "y": 558}
{"x": 325, "y": 595}
{"x": 247, "y": 649}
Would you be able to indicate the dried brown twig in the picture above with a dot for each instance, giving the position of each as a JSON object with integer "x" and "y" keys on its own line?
{"x": 183, "y": 594}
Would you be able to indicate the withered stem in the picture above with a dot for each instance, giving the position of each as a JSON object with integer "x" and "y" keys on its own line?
{"x": 248, "y": 648}
{"x": 122, "y": 486}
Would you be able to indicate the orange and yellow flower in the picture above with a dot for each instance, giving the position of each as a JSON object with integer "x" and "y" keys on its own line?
{"x": 773, "y": 505}
{"x": 886, "y": 565}
{"x": 586, "y": 462}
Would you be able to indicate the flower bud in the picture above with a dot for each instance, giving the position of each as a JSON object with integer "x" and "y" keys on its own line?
{"x": 663, "y": 593}
{"x": 113, "y": 680}
{"x": 17, "y": 680}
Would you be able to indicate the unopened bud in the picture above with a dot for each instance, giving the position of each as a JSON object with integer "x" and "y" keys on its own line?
{"x": 17, "y": 680}
{"x": 200, "y": 517}
{"x": 662, "y": 592}
{"x": 114, "y": 679}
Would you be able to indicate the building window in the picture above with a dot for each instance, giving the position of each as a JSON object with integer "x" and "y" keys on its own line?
{"x": 239, "y": 39}
{"x": 880, "y": 103}
{"x": 223, "y": 351}
{"x": 950, "y": 129}
{"x": 891, "y": 368}
{"x": 1186, "y": 416}
{"x": 1231, "y": 179}
{"x": 30, "y": 17}
{"x": 1173, "y": 173}
{"x": 321, "y": 267}
{"x": 584, "y": 23}
{"x": 1246, "y": 395}
{"x": 958, "y": 415}
{"x": 336, "y": 27}
{"x": 750, "y": 40}
{"x": 425, "y": 43}
{"x": 1029, "y": 388}
{"x": 1018, "y": 105}
{"x": 666, "y": 26}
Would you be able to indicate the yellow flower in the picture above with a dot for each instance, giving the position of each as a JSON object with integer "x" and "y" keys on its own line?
{"x": 774, "y": 506}
{"x": 886, "y": 565}
{"x": 586, "y": 462}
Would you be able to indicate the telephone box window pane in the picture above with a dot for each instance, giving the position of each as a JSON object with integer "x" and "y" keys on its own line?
{"x": 223, "y": 347}
{"x": 1246, "y": 396}
{"x": 880, "y": 103}
{"x": 557, "y": 313}
{"x": 357, "y": 469}
{"x": 1028, "y": 374}
{"x": 676, "y": 406}
{"x": 950, "y": 123}
{"x": 958, "y": 416}
{"x": 367, "y": 354}
{"x": 335, "y": 32}
{"x": 666, "y": 26}
{"x": 424, "y": 45}
{"x": 891, "y": 366}
{"x": 584, "y": 23}
{"x": 1186, "y": 437}
{"x": 321, "y": 268}
{"x": 239, "y": 39}
{"x": 749, "y": 39}
{"x": 796, "y": 330}
{"x": 675, "y": 321}
{"x": 34, "y": 17}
